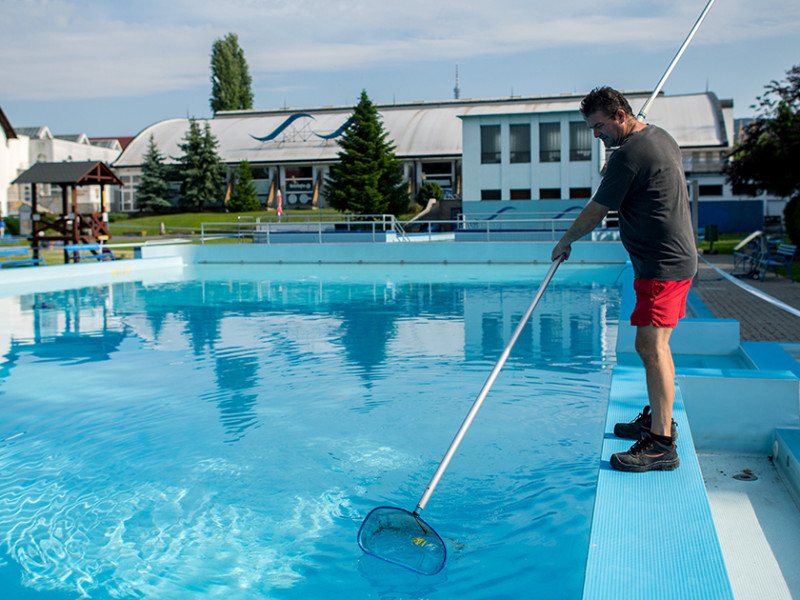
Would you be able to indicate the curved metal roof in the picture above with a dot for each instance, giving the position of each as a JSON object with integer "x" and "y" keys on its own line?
{"x": 417, "y": 130}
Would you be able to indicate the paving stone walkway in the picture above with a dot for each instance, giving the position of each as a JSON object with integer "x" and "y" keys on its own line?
{"x": 758, "y": 319}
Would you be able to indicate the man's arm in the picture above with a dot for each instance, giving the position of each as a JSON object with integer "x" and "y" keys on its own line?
{"x": 589, "y": 218}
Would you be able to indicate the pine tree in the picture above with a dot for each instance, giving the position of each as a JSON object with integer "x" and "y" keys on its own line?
{"x": 200, "y": 168}
{"x": 245, "y": 196}
{"x": 368, "y": 178}
{"x": 230, "y": 76}
{"x": 152, "y": 193}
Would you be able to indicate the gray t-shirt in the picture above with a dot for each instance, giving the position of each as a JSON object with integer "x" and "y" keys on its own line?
{"x": 644, "y": 181}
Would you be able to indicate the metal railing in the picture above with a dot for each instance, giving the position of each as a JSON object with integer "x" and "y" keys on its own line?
{"x": 386, "y": 228}
{"x": 700, "y": 163}
{"x": 262, "y": 229}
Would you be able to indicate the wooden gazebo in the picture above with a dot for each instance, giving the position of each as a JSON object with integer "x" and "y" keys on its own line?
{"x": 69, "y": 227}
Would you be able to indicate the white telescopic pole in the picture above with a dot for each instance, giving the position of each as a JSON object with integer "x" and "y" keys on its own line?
{"x": 485, "y": 389}
{"x": 643, "y": 112}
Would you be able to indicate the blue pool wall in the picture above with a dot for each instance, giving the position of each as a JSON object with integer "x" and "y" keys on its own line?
{"x": 418, "y": 252}
{"x": 28, "y": 280}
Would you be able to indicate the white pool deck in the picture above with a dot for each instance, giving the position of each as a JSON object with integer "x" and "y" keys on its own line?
{"x": 694, "y": 533}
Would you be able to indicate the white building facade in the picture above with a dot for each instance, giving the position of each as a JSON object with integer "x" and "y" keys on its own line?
{"x": 43, "y": 146}
{"x": 22, "y": 147}
{"x": 524, "y": 165}
{"x": 13, "y": 161}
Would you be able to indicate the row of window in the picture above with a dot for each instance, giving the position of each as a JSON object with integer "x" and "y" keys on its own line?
{"x": 544, "y": 194}
{"x": 574, "y": 193}
{"x": 580, "y": 143}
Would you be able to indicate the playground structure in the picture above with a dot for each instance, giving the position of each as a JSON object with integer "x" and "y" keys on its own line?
{"x": 70, "y": 227}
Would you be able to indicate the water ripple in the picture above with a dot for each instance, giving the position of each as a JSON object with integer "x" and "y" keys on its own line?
{"x": 145, "y": 540}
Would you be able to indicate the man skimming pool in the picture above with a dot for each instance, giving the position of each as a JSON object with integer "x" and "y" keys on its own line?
{"x": 645, "y": 182}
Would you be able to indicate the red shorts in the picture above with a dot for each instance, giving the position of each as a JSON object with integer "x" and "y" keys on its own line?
{"x": 660, "y": 303}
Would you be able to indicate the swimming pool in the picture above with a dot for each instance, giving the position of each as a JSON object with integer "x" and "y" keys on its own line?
{"x": 222, "y": 435}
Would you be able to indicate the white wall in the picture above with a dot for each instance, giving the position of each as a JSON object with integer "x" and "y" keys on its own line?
{"x": 13, "y": 161}
{"x": 55, "y": 150}
{"x": 533, "y": 175}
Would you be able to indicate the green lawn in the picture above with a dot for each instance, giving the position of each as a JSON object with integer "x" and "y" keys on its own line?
{"x": 184, "y": 223}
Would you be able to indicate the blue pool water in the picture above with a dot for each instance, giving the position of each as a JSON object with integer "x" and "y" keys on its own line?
{"x": 223, "y": 434}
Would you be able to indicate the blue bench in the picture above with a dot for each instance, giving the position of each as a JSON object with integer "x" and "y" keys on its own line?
{"x": 81, "y": 252}
{"x": 780, "y": 258}
{"x": 17, "y": 256}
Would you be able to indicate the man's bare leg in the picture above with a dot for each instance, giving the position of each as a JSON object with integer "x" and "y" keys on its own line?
{"x": 652, "y": 345}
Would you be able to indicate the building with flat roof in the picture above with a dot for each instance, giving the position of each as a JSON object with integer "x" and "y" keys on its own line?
{"x": 12, "y": 156}
{"x": 22, "y": 147}
{"x": 544, "y": 160}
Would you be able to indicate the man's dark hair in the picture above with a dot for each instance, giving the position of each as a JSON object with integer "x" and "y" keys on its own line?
{"x": 604, "y": 99}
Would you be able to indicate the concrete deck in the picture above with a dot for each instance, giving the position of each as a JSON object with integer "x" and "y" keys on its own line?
{"x": 757, "y": 518}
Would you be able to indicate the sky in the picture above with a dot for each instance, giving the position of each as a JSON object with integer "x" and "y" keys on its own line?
{"x": 112, "y": 68}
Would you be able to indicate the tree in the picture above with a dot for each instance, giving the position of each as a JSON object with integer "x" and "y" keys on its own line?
{"x": 200, "y": 168}
{"x": 767, "y": 157}
{"x": 230, "y": 77}
{"x": 152, "y": 193}
{"x": 368, "y": 178}
{"x": 245, "y": 196}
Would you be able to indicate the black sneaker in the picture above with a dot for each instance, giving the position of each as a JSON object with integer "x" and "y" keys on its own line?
{"x": 640, "y": 425}
{"x": 647, "y": 455}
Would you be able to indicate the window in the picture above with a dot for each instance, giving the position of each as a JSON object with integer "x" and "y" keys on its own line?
{"x": 490, "y": 194}
{"x": 549, "y": 142}
{"x": 261, "y": 172}
{"x": 550, "y": 193}
{"x": 578, "y": 193}
{"x": 580, "y": 141}
{"x": 439, "y": 172}
{"x": 298, "y": 173}
{"x": 299, "y": 185}
{"x": 520, "y": 194}
{"x": 490, "y": 144}
{"x": 128, "y": 198}
{"x": 520, "y": 142}
{"x": 710, "y": 190}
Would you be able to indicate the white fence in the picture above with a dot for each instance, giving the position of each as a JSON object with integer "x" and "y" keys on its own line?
{"x": 386, "y": 228}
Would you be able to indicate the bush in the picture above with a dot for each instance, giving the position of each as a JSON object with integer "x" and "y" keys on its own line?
{"x": 428, "y": 190}
{"x": 791, "y": 219}
{"x": 12, "y": 225}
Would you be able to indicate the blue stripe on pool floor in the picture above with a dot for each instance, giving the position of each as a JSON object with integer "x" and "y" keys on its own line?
{"x": 652, "y": 533}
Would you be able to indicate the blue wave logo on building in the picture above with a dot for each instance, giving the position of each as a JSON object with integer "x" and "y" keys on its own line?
{"x": 292, "y": 118}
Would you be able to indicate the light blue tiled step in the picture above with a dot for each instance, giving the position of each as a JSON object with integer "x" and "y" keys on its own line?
{"x": 771, "y": 356}
{"x": 786, "y": 458}
{"x": 652, "y": 533}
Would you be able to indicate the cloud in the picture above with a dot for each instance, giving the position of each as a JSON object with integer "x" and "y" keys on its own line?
{"x": 55, "y": 49}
